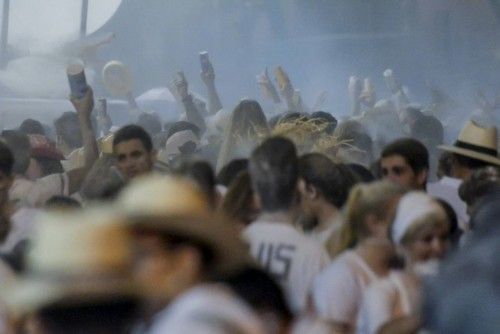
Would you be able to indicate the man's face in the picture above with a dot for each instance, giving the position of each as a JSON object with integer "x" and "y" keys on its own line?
{"x": 133, "y": 159}
{"x": 396, "y": 169}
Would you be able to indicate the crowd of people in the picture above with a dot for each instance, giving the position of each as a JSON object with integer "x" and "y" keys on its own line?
{"x": 287, "y": 220}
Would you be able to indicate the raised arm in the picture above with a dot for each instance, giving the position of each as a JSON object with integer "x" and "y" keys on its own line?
{"x": 354, "y": 89}
{"x": 192, "y": 113}
{"x": 208, "y": 78}
{"x": 396, "y": 89}
{"x": 84, "y": 107}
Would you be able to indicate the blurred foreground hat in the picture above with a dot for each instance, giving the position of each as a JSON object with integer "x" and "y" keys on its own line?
{"x": 175, "y": 207}
{"x": 42, "y": 147}
{"x": 162, "y": 196}
{"x": 75, "y": 259}
{"x": 476, "y": 142}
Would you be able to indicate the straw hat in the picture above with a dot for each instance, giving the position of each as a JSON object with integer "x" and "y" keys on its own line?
{"x": 162, "y": 195}
{"x": 175, "y": 207}
{"x": 476, "y": 142}
{"x": 74, "y": 259}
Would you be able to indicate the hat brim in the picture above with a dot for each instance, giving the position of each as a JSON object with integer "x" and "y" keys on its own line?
{"x": 216, "y": 233}
{"x": 23, "y": 296}
{"x": 471, "y": 154}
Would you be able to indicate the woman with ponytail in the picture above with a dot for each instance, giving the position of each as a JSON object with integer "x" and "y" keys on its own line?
{"x": 363, "y": 254}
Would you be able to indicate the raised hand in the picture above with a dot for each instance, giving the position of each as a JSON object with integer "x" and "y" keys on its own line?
{"x": 267, "y": 88}
{"x": 85, "y": 105}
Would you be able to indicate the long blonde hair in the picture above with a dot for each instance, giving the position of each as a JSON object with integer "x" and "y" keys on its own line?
{"x": 365, "y": 199}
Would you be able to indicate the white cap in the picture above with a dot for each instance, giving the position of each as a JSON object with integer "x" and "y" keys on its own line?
{"x": 411, "y": 207}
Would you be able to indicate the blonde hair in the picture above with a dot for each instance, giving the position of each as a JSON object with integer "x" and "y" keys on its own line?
{"x": 365, "y": 199}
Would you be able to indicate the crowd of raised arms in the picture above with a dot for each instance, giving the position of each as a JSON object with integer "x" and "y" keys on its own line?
{"x": 236, "y": 219}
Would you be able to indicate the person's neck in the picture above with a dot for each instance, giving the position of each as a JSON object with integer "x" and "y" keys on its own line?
{"x": 283, "y": 216}
{"x": 376, "y": 253}
{"x": 326, "y": 214}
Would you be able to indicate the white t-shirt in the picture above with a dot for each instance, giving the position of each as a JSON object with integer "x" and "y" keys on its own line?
{"x": 290, "y": 256}
{"x": 447, "y": 189}
{"x": 338, "y": 290}
{"x": 208, "y": 309}
{"x": 22, "y": 224}
{"x": 386, "y": 299}
{"x": 36, "y": 193}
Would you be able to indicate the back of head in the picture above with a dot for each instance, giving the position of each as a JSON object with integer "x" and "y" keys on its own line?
{"x": 19, "y": 145}
{"x": 229, "y": 172}
{"x": 68, "y": 129}
{"x": 364, "y": 200}
{"x": 32, "y": 127}
{"x": 274, "y": 172}
{"x": 363, "y": 174}
{"x": 429, "y": 130}
{"x": 248, "y": 118}
{"x": 334, "y": 181}
{"x": 413, "y": 151}
{"x": 6, "y": 159}
{"x": 182, "y": 126}
{"x": 202, "y": 174}
{"x": 325, "y": 118}
{"x": 131, "y": 132}
{"x": 149, "y": 122}
{"x": 259, "y": 290}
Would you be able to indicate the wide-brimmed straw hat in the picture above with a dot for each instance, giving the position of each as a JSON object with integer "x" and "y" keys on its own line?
{"x": 74, "y": 260}
{"x": 476, "y": 142}
{"x": 174, "y": 206}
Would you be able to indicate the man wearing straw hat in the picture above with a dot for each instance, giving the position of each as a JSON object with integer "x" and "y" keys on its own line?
{"x": 475, "y": 148}
{"x": 180, "y": 247}
{"x": 78, "y": 278}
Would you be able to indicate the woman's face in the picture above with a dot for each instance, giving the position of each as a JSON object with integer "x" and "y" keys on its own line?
{"x": 429, "y": 243}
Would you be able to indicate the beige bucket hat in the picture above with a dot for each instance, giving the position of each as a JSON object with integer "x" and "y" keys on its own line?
{"x": 74, "y": 259}
{"x": 174, "y": 206}
{"x": 476, "y": 142}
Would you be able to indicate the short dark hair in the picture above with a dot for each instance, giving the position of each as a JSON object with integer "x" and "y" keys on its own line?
{"x": 182, "y": 126}
{"x": 68, "y": 128}
{"x": 363, "y": 174}
{"x": 334, "y": 181}
{"x": 202, "y": 174}
{"x": 428, "y": 128}
{"x": 130, "y": 132}
{"x": 19, "y": 145}
{"x": 49, "y": 166}
{"x": 413, "y": 151}
{"x": 229, "y": 172}
{"x": 32, "y": 127}
{"x": 259, "y": 290}
{"x": 6, "y": 159}
{"x": 274, "y": 172}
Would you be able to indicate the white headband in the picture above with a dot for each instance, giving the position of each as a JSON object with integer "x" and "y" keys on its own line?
{"x": 411, "y": 207}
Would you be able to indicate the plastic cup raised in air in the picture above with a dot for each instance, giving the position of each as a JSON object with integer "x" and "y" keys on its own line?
{"x": 77, "y": 81}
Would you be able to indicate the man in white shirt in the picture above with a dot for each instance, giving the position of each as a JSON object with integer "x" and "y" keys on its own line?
{"x": 476, "y": 147}
{"x": 35, "y": 192}
{"x": 287, "y": 254}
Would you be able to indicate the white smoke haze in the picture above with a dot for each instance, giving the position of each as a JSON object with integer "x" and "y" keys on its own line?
{"x": 45, "y": 34}
{"x": 451, "y": 45}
